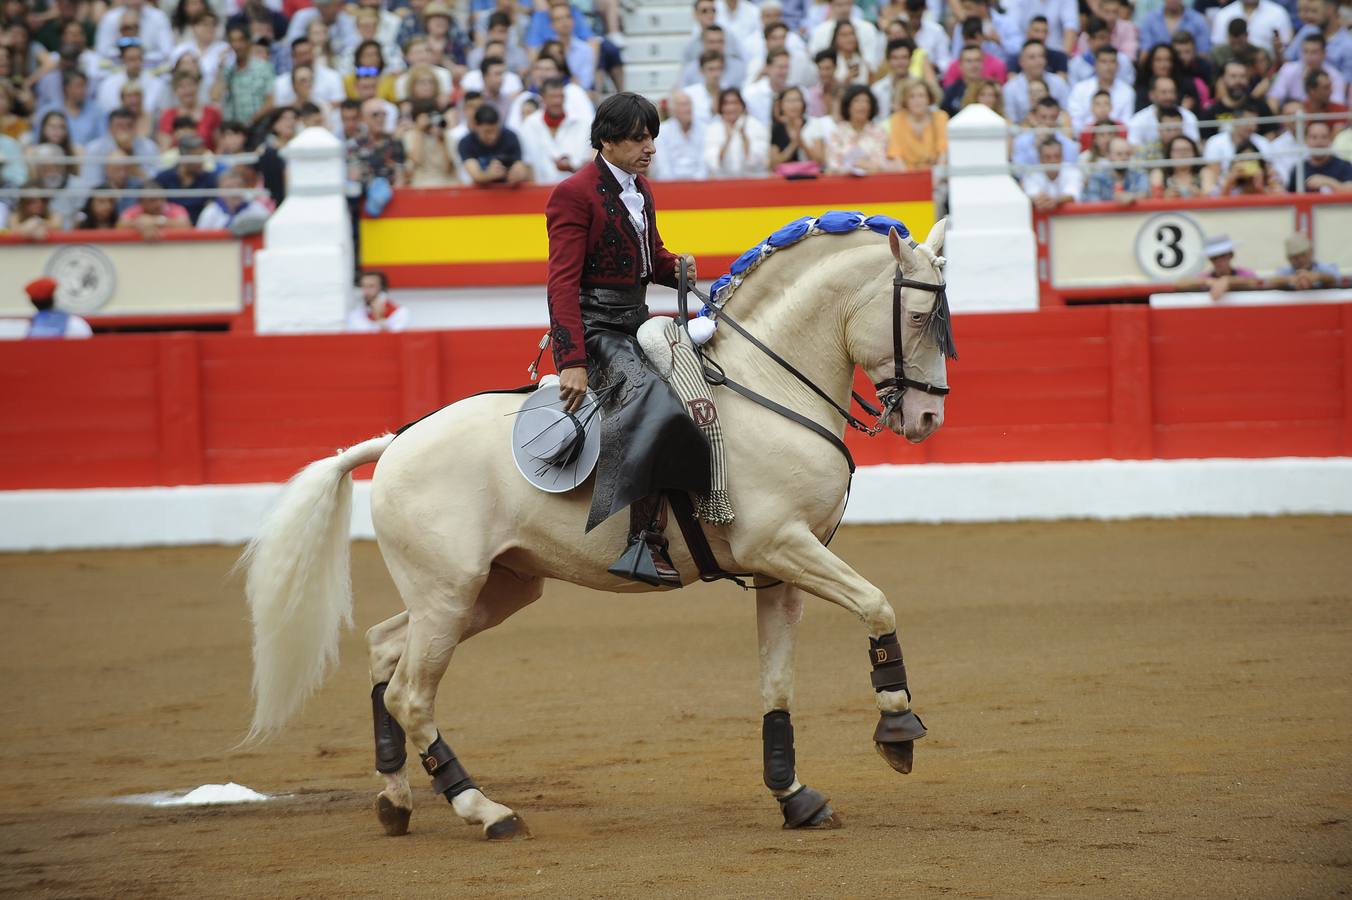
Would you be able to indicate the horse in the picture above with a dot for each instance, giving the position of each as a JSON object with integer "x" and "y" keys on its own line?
{"x": 468, "y": 542}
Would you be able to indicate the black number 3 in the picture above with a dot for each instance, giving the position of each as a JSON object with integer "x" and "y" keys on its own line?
{"x": 1169, "y": 236}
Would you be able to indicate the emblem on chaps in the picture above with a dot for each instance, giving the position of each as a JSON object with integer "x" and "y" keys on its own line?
{"x": 703, "y": 412}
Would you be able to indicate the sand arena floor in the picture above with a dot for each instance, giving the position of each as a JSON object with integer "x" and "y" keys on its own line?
{"x": 1135, "y": 709}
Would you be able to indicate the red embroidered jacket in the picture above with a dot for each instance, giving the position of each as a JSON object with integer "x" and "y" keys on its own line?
{"x": 592, "y": 243}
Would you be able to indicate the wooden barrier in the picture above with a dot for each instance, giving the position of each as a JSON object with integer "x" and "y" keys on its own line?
{"x": 452, "y": 237}
{"x": 1123, "y": 382}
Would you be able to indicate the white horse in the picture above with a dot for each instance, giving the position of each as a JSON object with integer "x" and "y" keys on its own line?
{"x": 468, "y": 542}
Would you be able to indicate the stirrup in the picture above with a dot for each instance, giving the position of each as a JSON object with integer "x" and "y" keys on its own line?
{"x": 636, "y": 564}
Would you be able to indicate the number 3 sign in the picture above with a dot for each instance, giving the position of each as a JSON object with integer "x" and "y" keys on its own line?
{"x": 1169, "y": 247}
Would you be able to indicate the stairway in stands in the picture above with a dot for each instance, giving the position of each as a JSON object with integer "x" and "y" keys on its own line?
{"x": 655, "y": 33}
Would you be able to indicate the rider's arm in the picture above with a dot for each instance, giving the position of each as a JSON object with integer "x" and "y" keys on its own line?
{"x": 567, "y": 215}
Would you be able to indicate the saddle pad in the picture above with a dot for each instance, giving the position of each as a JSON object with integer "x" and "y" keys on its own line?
{"x": 670, "y": 353}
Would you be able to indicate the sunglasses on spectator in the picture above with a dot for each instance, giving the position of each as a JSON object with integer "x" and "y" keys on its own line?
{"x": 367, "y": 71}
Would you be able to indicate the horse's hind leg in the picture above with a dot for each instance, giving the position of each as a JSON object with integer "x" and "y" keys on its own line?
{"x": 778, "y": 611}
{"x": 432, "y": 637}
{"x": 394, "y": 805}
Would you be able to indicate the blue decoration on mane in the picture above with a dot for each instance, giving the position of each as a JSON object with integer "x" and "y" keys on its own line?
{"x": 832, "y": 222}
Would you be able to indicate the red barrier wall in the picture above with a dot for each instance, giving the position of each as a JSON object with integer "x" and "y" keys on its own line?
{"x": 1122, "y": 382}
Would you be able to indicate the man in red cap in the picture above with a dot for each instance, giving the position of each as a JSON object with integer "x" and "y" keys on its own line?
{"x": 48, "y": 321}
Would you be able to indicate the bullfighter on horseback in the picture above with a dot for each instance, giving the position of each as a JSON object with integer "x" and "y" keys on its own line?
{"x": 604, "y": 250}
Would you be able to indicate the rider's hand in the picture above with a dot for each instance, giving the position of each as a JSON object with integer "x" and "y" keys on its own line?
{"x": 573, "y": 387}
{"x": 689, "y": 268}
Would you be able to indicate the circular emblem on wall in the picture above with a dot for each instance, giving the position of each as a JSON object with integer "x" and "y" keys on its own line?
{"x": 1169, "y": 247}
{"x": 86, "y": 278}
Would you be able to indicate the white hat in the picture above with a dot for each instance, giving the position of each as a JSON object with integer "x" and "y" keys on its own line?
{"x": 555, "y": 450}
{"x": 1218, "y": 245}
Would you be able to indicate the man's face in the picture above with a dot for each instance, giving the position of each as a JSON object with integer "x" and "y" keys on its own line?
{"x": 370, "y": 288}
{"x": 714, "y": 41}
{"x": 488, "y": 132}
{"x": 1105, "y": 66}
{"x": 117, "y": 174}
{"x": 899, "y": 61}
{"x": 152, "y": 204}
{"x": 303, "y": 54}
{"x": 1033, "y": 60}
{"x": 233, "y": 141}
{"x": 713, "y": 71}
{"x": 132, "y": 61}
{"x": 493, "y": 78}
{"x": 1111, "y": 11}
{"x": 1320, "y": 138}
{"x": 121, "y": 130}
{"x": 1242, "y": 130}
{"x": 1235, "y": 79}
{"x": 373, "y": 116}
{"x": 1046, "y": 116}
{"x": 76, "y": 90}
{"x": 1049, "y": 154}
{"x": 1311, "y": 55}
{"x": 778, "y": 71}
{"x": 328, "y": 11}
{"x": 1170, "y": 129}
{"x": 73, "y": 33}
{"x": 544, "y": 69}
{"x": 553, "y": 99}
{"x": 366, "y": 89}
{"x": 351, "y": 120}
{"x": 970, "y": 64}
{"x": 1186, "y": 51}
{"x": 1310, "y": 11}
{"x": 1322, "y": 91}
{"x": 239, "y": 42}
{"x": 1101, "y": 108}
{"x": 561, "y": 17}
{"x": 705, "y": 13}
{"x": 682, "y": 109}
{"x": 1037, "y": 31}
{"x": 1098, "y": 39}
{"x": 776, "y": 39}
{"x": 631, "y": 155}
{"x": 1164, "y": 93}
{"x": 1237, "y": 42}
{"x": 1301, "y": 262}
{"x": 1119, "y": 151}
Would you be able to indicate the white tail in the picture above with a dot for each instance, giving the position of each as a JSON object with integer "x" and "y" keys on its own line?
{"x": 299, "y": 585}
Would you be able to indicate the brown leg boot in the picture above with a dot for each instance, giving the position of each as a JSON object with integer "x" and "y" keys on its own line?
{"x": 646, "y": 560}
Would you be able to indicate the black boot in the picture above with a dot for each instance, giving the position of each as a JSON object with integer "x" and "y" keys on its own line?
{"x": 646, "y": 559}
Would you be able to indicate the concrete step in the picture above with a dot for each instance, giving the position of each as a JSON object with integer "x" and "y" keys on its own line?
{"x": 653, "y": 19}
{"x": 655, "y": 48}
{"x": 650, "y": 78}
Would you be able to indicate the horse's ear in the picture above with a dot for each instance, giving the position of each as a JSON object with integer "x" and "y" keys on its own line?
{"x": 935, "y": 241}
{"x": 902, "y": 252}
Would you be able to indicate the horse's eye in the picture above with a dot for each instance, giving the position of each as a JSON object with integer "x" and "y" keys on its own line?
{"x": 917, "y": 318}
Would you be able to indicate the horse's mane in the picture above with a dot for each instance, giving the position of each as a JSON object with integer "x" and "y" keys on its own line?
{"x": 938, "y": 327}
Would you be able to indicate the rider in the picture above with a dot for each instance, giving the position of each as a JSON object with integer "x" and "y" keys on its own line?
{"x": 604, "y": 250}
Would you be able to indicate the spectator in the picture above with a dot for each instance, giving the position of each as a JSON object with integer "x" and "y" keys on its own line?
{"x": 121, "y": 138}
{"x": 870, "y": 40}
{"x": 1039, "y": 30}
{"x": 54, "y": 130}
{"x": 1324, "y": 172}
{"x": 133, "y": 100}
{"x": 470, "y": 104}
{"x": 1084, "y": 63}
{"x": 233, "y": 140}
{"x": 12, "y": 121}
{"x": 1302, "y": 273}
{"x": 243, "y": 90}
{"x": 704, "y": 94}
{"x": 180, "y": 21}
{"x": 327, "y": 88}
{"x": 1321, "y": 17}
{"x": 714, "y": 40}
{"x": 98, "y": 213}
{"x": 1182, "y": 180}
{"x": 153, "y": 215}
{"x": 1046, "y": 117}
{"x": 918, "y": 133}
{"x": 859, "y": 146}
{"x": 419, "y": 58}
{"x": 778, "y": 37}
{"x": 1193, "y": 66}
{"x": 376, "y": 23}
{"x": 376, "y": 312}
{"x": 229, "y": 211}
{"x": 121, "y": 174}
{"x": 341, "y": 26}
{"x": 367, "y": 61}
{"x": 133, "y": 71}
{"x": 1236, "y": 43}
{"x": 1122, "y": 34}
{"x": 1162, "y": 62}
{"x": 137, "y": 19}
{"x": 680, "y": 143}
{"x": 51, "y": 174}
{"x": 976, "y": 25}
{"x": 1032, "y": 67}
{"x": 86, "y": 120}
{"x": 582, "y": 57}
{"x": 491, "y": 153}
{"x": 988, "y": 94}
{"x": 1250, "y": 174}
{"x": 47, "y": 80}
{"x": 851, "y": 68}
{"x": 1319, "y": 98}
{"x": 1290, "y": 81}
{"x": 1054, "y": 187}
{"x": 1224, "y": 276}
{"x": 1143, "y": 127}
{"x": 301, "y": 89}
{"x": 790, "y": 139}
{"x": 735, "y": 145}
{"x": 992, "y": 65}
{"x": 33, "y": 217}
{"x": 1232, "y": 97}
{"x": 929, "y": 35}
{"x": 604, "y": 54}
{"x": 1221, "y": 147}
{"x": 555, "y": 145}
{"x": 1160, "y": 25}
{"x": 576, "y": 102}
{"x": 282, "y": 127}
{"x": 499, "y": 31}
{"x": 13, "y": 166}
{"x": 760, "y": 94}
{"x": 1096, "y": 140}
{"x": 203, "y": 44}
{"x": 900, "y": 53}
{"x": 48, "y": 321}
{"x": 742, "y": 20}
{"x": 205, "y": 117}
{"x": 969, "y": 71}
{"x": 498, "y": 86}
{"x": 188, "y": 175}
{"x": 1121, "y": 99}
{"x": 1267, "y": 22}
{"x": 446, "y": 43}
{"x": 1119, "y": 181}
{"x": 429, "y": 161}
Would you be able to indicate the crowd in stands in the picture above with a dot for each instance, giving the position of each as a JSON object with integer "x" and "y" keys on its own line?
{"x": 199, "y": 95}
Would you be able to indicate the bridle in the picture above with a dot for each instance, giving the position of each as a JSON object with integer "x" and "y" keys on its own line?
{"x": 890, "y": 391}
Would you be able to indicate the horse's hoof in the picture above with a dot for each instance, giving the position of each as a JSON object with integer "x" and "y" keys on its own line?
{"x": 824, "y": 818}
{"x": 394, "y": 818}
{"x": 899, "y": 756}
{"x": 807, "y": 808}
{"x": 512, "y": 828}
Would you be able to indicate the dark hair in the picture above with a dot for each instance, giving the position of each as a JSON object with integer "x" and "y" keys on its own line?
{"x": 971, "y": 28}
{"x": 856, "y": 90}
{"x": 238, "y": 27}
{"x": 308, "y": 109}
{"x": 776, "y": 110}
{"x": 1038, "y": 18}
{"x": 1309, "y": 125}
{"x": 1095, "y": 25}
{"x": 1312, "y": 79}
{"x": 1106, "y": 50}
{"x": 489, "y": 61}
{"x": 916, "y": 5}
{"x": 553, "y": 84}
{"x": 121, "y": 113}
{"x": 73, "y": 75}
{"x": 835, "y": 34}
{"x": 183, "y": 122}
{"x": 1193, "y": 152}
{"x": 712, "y": 29}
{"x": 971, "y": 47}
{"x": 298, "y": 41}
{"x": 1182, "y": 36}
{"x": 376, "y": 273}
{"x": 180, "y": 17}
{"x": 625, "y": 116}
{"x": 726, "y": 93}
{"x": 1314, "y": 37}
{"x": 1169, "y": 112}
{"x": 774, "y": 55}
{"x": 709, "y": 56}
{"x": 774, "y": 26}
{"x": 821, "y": 55}
{"x": 1048, "y": 101}
{"x": 86, "y": 219}
{"x": 499, "y": 19}
{"x": 1048, "y": 141}
{"x": 1237, "y": 27}
{"x": 487, "y": 115}
{"x": 1098, "y": 94}
{"x": 1032, "y": 42}
{"x": 471, "y": 95}
{"x": 234, "y": 126}
{"x": 380, "y": 54}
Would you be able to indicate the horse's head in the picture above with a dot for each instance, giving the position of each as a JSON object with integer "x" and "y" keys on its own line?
{"x": 914, "y": 396}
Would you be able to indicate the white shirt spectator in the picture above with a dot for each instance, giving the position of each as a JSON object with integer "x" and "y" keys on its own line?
{"x": 745, "y": 158}
{"x": 541, "y": 147}
{"x": 216, "y": 217}
{"x": 701, "y": 100}
{"x": 1067, "y": 183}
{"x": 934, "y": 41}
{"x": 1265, "y": 18}
{"x": 819, "y": 130}
{"x": 744, "y": 22}
{"x": 802, "y": 70}
{"x": 153, "y": 94}
{"x": 1081, "y": 100}
{"x": 1220, "y": 149}
{"x": 577, "y": 104}
{"x": 1143, "y": 128}
{"x": 343, "y": 36}
{"x": 328, "y": 87}
{"x": 680, "y": 153}
{"x": 1016, "y": 94}
{"x": 871, "y": 40}
{"x": 1281, "y": 153}
{"x": 156, "y": 34}
{"x": 474, "y": 81}
{"x": 759, "y": 97}
{"x": 1081, "y": 69}
{"x": 208, "y": 60}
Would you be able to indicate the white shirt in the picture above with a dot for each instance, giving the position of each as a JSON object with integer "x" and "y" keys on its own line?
{"x": 474, "y": 81}
{"x": 214, "y": 218}
{"x": 328, "y": 86}
{"x": 633, "y": 201}
{"x": 1081, "y": 100}
{"x": 744, "y": 158}
{"x": 745, "y": 23}
{"x": 934, "y": 41}
{"x": 759, "y": 97}
{"x": 702, "y": 101}
{"x": 1016, "y": 94}
{"x": 540, "y": 147}
{"x": 680, "y": 153}
{"x": 153, "y": 95}
{"x": 1144, "y": 127}
{"x": 209, "y": 60}
{"x": 1220, "y": 149}
{"x": 156, "y": 34}
{"x": 1067, "y": 183}
{"x": 1266, "y": 17}
{"x": 576, "y": 105}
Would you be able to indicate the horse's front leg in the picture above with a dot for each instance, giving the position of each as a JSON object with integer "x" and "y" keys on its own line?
{"x": 778, "y": 611}
{"x": 799, "y": 558}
